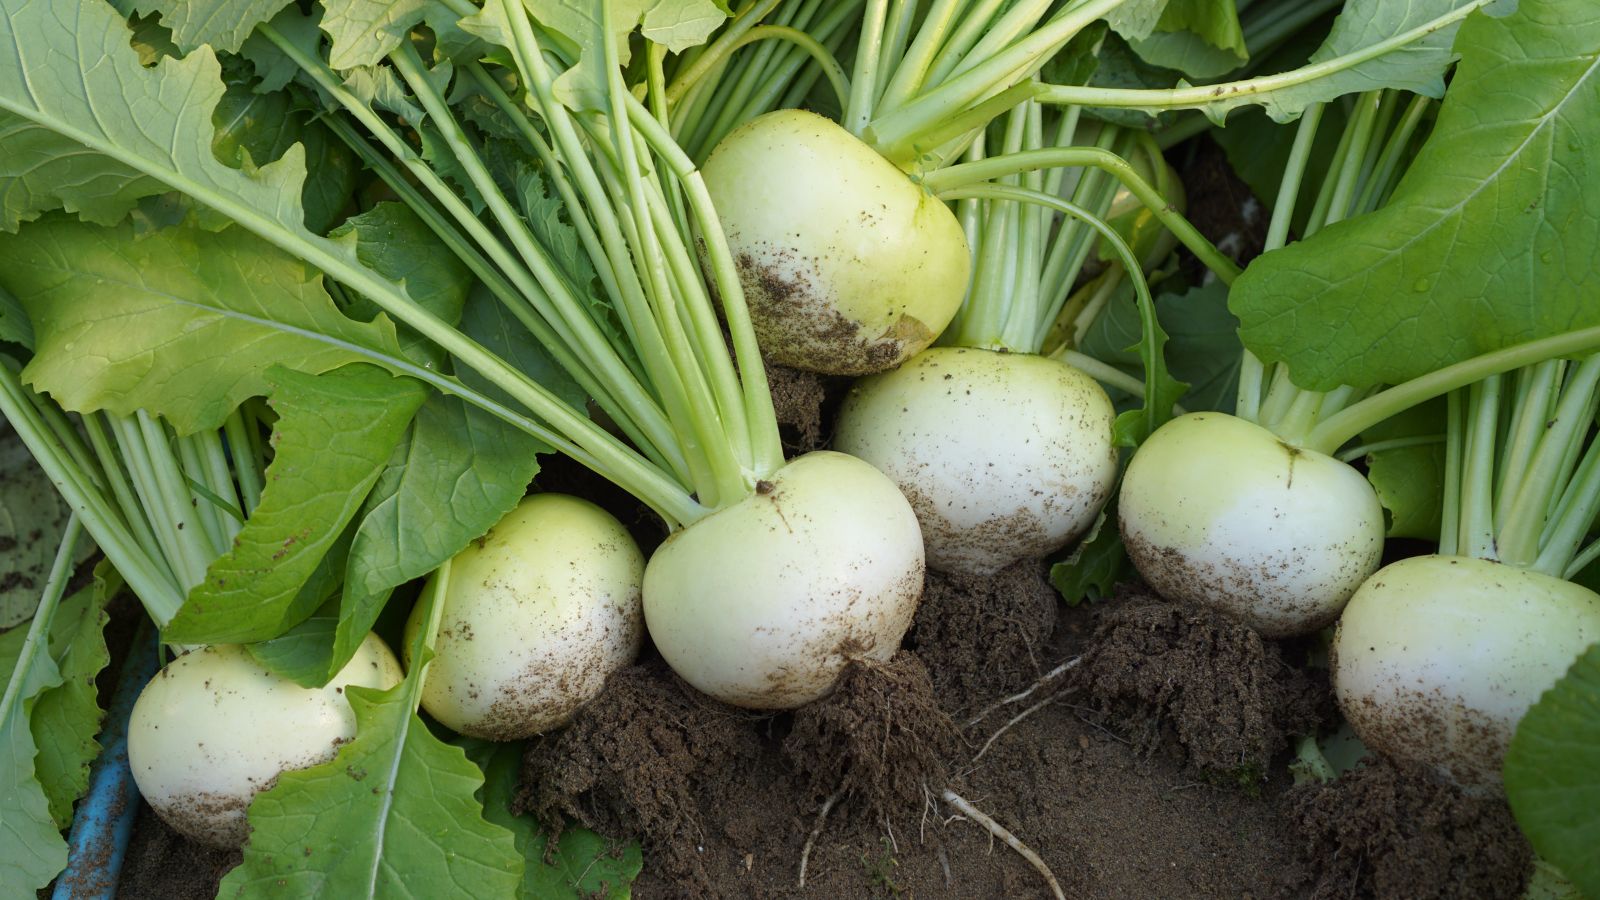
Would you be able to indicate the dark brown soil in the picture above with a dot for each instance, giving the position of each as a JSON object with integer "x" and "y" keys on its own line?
{"x": 982, "y": 637}
{"x": 1223, "y": 693}
{"x": 163, "y": 865}
{"x": 797, "y": 399}
{"x": 1220, "y": 205}
{"x": 1384, "y": 832}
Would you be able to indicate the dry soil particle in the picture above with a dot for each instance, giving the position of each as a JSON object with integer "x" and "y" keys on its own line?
{"x": 797, "y": 399}
{"x": 162, "y": 865}
{"x": 983, "y": 636}
{"x": 648, "y": 760}
{"x": 880, "y": 742}
{"x": 1223, "y": 692}
{"x": 1385, "y": 832}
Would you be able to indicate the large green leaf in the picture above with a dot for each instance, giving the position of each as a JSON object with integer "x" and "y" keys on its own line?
{"x": 224, "y": 24}
{"x": 265, "y": 126}
{"x": 392, "y": 815}
{"x": 395, "y": 242}
{"x": 675, "y": 24}
{"x": 584, "y": 866}
{"x": 1487, "y": 241}
{"x": 66, "y": 718}
{"x": 183, "y": 322}
{"x": 333, "y": 434}
{"x": 1200, "y": 38}
{"x": 1552, "y": 774}
{"x": 14, "y": 325}
{"x": 1409, "y": 480}
{"x": 363, "y": 32}
{"x": 1203, "y": 346}
{"x": 31, "y": 848}
{"x": 41, "y": 170}
{"x": 456, "y": 475}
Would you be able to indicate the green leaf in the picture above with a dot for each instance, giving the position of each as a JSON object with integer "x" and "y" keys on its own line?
{"x": 459, "y": 472}
{"x": 182, "y": 322}
{"x": 223, "y": 24}
{"x": 1203, "y": 347}
{"x": 302, "y": 653}
{"x": 676, "y": 24}
{"x": 1097, "y": 564}
{"x": 14, "y": 325}
{"x": 32, "y": 521}
{"x": 42, "y": 170}
{"x": 1486, "y": 241}
{"x": 392, "y": 815}
{"x": 151, "y": 38}
{"x": 66, "y": 718}
{"x": 1161, "y": 390}
{"x": 1409, "y": 481}
{"x": 255, "y": 128}
{"x": 393, "y": 241}
{"x": 363, "y": 32}
{"x": 31, "y": 848}
{"x": 273, "y": 67}
{"x": 1200, "y": 38}
{"x": 333, "y": 434}
{"x": 487, "y": 322}
{"x": 1136, "y": 19}
{"x": 1552, "y": 774}
{"x": 584, "y": 866}
{"x": 1258, "y": 150}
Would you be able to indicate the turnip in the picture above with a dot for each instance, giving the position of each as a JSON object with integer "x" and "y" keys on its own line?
{"x": 214, "y": 728}
{"x": 537, "y": 613}
{"x": 850, "y": 264}
{"x": 763, "y": 602}
{"x": 1436, "y": 658}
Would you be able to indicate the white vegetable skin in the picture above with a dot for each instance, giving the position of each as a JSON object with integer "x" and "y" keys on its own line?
{"x": 1003, "y": 456}
{"x": 762, "y": 603}
{"x": 537, "y": 613}
{"x": 848, "y": 266}
{"x": 1219, "y": 511}
{"x": 1437, "y": 658}
{"x": 214, "y": 727}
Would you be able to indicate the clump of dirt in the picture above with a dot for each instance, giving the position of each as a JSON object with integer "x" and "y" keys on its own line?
{"x": 879, "y": 743}
{"x": 647, "y": 760}
{"x": 1384, "y": 831}
{"x": 797, "y": 398}
{"x": 983, "y": 636}
{"x": 1223, "y": 692}
{"x": 163, "y": 865}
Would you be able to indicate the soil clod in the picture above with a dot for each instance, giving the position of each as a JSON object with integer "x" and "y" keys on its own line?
{"x": 1223, "y": 692}
{"x": 645, "y": 760}
{"x": 1383, "y": 831}
{"x": 982, "y": 636}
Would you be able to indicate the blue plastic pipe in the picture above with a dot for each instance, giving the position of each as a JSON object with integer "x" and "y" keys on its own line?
{"x": 104, "y": 820}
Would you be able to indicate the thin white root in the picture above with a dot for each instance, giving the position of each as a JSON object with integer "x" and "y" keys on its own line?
{"x": 1007, "y": 726}
{"x": 999, "y": 831}
{"x": 1043, "y": 680}
{"x": 816, "y": 829}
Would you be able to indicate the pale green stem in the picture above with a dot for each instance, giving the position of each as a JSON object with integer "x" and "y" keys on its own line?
{"x": 193, "y": 470}
{"x": 1477, "y": 502}
{"x": 1579, "y": 504}
{"x": 1454, "y": 462}
{"x": 1582, "y": 560}
{"x": 902, "y": 15}
{"x": 1203, "y": 96}
{"x": 716, "y": 53}
{"x": 128, "y": 505}
{"x": 908, "y": 75}
{"x": 1564, "y": 433}
{"x": 439, "y": 586}
{"x": 1538, "y": 391}
{"x": 1420, "y": 440}
{"x": 943, "y": 181}
{"x": 37, "y": 641}
{"x": 864, "y": 80}
{"x": 245, "y": 462}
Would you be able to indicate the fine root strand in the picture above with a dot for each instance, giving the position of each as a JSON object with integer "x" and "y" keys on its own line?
{"x": 1038, "y": 684}
{"x": 816, "y": 829}
{"x": 999, "y": 831}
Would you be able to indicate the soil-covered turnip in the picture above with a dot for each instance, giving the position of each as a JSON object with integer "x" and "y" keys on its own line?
{"x": 214, "y": 728}
{"x": 762, "y": 603}
{"x": 849, "y": 266}
{"x": 537, "y": 613}
{"x": 1002, "y": 455}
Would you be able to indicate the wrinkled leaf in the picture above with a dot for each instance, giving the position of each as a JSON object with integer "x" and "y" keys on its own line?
{"x": 392, "y": 815}
{"x": 224, "y": 24}
{"x": 333, "y": 434}
{"x": 394, "y": 241}
{"x": 182, "y": 322}
{"x": 1097, "y": 564}
{"x": 1552, "y": 774}
{"x": 41, "y": 171}
{"x": 66, "y": 718}
{"x": 14, "y": 325}
{"x": 363, "y": 32}
{"x": 1486, "y": 241}
{"x": 1203, "y": 347}
{"x": 261, "y": 127}
{"x": 676, "y": 24}
{"x": 31, "y": 848}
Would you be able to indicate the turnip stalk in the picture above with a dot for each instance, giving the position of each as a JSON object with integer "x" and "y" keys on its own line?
{"x": 1436, "y": 658}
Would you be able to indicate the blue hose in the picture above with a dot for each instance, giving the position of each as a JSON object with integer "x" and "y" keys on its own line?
{"x": 104, "y": 820}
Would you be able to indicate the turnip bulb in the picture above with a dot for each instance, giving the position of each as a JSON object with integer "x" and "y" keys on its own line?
{"x": 537, "y": 613}
{"x": 1003, "y": 456}
{"x": 214, "y": 727}
{"x": 1437, "y": 658}
{"x": 1219, "y": 511}
{"x": 848, "y": 266}
{"x": 761, "y": 603}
